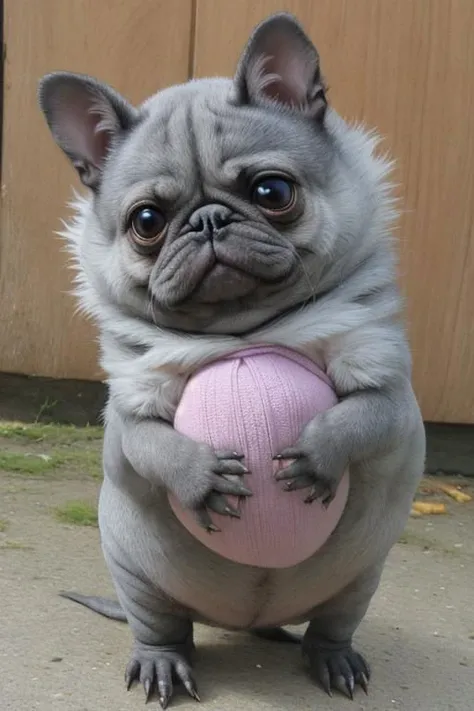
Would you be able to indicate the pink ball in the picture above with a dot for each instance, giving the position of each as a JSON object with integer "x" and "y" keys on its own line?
{"x": 257, "y": 402}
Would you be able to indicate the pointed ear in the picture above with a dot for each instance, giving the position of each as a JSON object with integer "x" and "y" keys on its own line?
{"x": 85, "y": 118}
{"x": 280, "y": 65}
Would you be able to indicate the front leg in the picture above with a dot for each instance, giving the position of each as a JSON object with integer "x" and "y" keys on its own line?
{"x": 199, "y": 477}
{"x": 362, "y": 425}
{"x": 327, "y": 643}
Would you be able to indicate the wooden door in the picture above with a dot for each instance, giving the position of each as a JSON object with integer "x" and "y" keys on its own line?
{"x": 407, "y": 68}
{"x": 137, "y": 46}
{"x": 403, "y": 66}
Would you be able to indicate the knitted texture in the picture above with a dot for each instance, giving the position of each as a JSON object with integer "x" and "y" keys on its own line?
{"x": 257, "y": 402}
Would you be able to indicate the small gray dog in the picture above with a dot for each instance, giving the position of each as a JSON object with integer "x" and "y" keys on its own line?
{"x": 225, "y": 213}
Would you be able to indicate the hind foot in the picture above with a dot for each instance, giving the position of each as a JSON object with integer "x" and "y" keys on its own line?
{"x": 156, "y": 667}
{"x": 335, "y": 665}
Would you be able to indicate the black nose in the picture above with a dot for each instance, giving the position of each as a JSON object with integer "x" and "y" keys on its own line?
{"x": 210, "y": 218}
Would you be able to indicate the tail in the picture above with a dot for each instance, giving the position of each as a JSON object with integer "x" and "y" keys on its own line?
{"x": 111, "y": 609}
{"x": 101, "y": 605}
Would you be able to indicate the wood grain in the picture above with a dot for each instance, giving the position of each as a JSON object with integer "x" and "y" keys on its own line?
{"x": 403, "y": 66}
{"x": 136, "y": 45}
{"x": 407, "y": 68}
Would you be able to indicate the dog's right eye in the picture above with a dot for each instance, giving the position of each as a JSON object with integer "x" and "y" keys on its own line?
{"x": 147, "y": 224}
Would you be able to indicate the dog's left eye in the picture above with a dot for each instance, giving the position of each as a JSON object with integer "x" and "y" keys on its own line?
{"x": 274, "y": 194}
{"x": 147, "y": 224}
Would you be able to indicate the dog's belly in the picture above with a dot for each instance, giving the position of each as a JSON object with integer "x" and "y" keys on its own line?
{"x": 255, "y": 599}
{"x": 215, "y": 590}
{"x": 238, "y": 597}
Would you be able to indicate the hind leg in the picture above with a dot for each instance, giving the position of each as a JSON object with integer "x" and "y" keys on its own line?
{"x": 162, "y": 636}
{"x": 327, "y": 643}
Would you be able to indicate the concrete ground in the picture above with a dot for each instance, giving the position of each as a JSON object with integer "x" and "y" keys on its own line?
{"x": 54, "y": 655}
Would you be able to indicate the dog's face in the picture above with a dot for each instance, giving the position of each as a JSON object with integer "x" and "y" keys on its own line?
{"x": 217, "y": 203}
{"x": 213, "y": 208}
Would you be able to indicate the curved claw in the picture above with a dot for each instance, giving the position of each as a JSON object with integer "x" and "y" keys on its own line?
{"x": 184, "y": 674}
{"x": 288, "y": 453}
{"x": 300, "y": 474}
{"x": 363, "y": 682}
{"x": 132, "y": 672}
{"x": 204, "y": 520}
{"x": 222, "y": 485}
{"x": 323, "y": 491}
{"x": 340, "y": 669}
{"x": 303, "y": 482}
{"x": 216, "y": 501}
{"x": 230, "y": 466}
{"x": 147, "y": 685}
{"x": 294, "y": 470}
{"x": 164, "y": 696}
{"x": 220, "y": 505}
{"x": 325, "y": 679}
{"x": 345, "y": 682}
{"x": 156, "y": 668}
{"x": 192, "y": 691}
{"x": 229, "y": 454}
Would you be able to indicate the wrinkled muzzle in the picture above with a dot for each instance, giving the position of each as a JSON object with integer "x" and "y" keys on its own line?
{"x": 219, "y": 255}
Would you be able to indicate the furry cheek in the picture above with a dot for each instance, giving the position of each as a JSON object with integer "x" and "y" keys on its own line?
{"x": 314, "y": 231}
{"x": 137, "y": 267}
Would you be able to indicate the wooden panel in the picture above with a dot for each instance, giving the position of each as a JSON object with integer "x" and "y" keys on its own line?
{"x": 406, "y": 67}
{"x": 136, "y": 45}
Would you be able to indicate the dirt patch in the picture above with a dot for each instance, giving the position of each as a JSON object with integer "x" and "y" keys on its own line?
{"x": 418, "y": 635}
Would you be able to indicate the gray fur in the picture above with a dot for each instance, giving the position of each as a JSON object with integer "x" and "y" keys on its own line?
{"x": 225, "y": 276}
